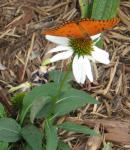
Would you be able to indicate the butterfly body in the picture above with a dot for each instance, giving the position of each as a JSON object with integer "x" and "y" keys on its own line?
{"x": 81, "y": 28}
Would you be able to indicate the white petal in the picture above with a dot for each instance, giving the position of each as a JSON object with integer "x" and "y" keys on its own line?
{"x": 95, "y": 36}
{"x": 61, "y": 56}
{"x": 87, "y": 65}
{"x": 100, "y": 55}
{"x": 58, "y": 39}
{"x": 76, "y": 67}
{"x": 60, "y": 48}
{"x": 91, "y": 58}
{"x": 82, "y": 68}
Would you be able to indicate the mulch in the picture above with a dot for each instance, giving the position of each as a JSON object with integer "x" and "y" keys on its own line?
{"x": 23, "y": 48}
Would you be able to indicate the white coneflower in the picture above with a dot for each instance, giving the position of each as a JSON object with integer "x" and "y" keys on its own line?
{"x": 83, "y": 52}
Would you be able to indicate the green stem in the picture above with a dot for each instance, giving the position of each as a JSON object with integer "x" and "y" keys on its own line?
{"x": 62, "y": 84}
{"x": 59, "y": 92}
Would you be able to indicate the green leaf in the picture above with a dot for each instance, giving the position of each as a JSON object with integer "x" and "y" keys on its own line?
{"x": 27, "y": 147}
{"x": 100, "y": 43}
{"x": 63, "y": 146}
{"x": 86, "y": 8}
{"x": 2, "y": 111}
{"x": 107, "y": 146}
{"x": 37, "y": 93}
{"x": 9, "y": 130}
{"x": 3, "y": 146}
{"x": 37, "y": 106}
{"x": 104, "y": 9}
{"x": 71, "y": 100}
{"x": 57, "y": 76}
{"x": 33, "y": 137}
{"x": 17, "y": 100}
{"x": 45, "y": 111}
{"x": 69, "y": 126}
{"x": 51, "y": 136}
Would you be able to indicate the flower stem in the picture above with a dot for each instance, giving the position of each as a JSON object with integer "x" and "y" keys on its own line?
{"x": 54, "y": 100}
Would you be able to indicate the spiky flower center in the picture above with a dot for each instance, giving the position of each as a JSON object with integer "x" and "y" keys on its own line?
{"x": 82, "y": 46}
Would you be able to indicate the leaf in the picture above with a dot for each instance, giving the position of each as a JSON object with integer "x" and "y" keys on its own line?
{"x": 104, "y": 9}
{"x": 107, "y": 146}
{"x": 3, "y": 146}
{"x": 51, "y": 136}
{"x": 9, "y": 130}
{"x": 63, "y": 146}
{"x": 37, "y": 106}
{"x": 45, "y": 111}
{"x": 33, "y": 137}
{"x": 86, "y": 8}
{"x": 69, "y": 126}
{"x": 17, "y": 100}
{"x": 2, "y": 111}
{"x": 49, "y": 89}
{"x": 57, "y": 76}
{"x": 71, "y": 100}
{"x": 27, "y": 147}
{"x": 100, "y": 43}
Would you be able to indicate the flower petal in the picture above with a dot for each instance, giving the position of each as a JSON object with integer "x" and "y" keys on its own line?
{"x": 60, "y": 48}
{"x": 95, "y": 36}
{"x": 100, "y": 55}
{"x": 77, "y": 71}
{"x": 88, "y": 68}
{"x": 58, "y": 39}
{"x": 61, "y": 56}
{"x": 82, "y": 68}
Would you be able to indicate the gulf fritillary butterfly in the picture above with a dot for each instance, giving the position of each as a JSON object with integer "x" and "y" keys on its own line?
{"x": 78, "y": 29}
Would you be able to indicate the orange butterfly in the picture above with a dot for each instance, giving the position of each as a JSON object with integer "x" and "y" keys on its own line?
{"x": 81, "y": 28}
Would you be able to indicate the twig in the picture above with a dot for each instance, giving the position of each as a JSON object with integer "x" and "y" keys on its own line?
{"x": 28, "y": 55}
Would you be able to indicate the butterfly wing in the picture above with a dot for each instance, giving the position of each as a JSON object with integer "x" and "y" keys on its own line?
{"x": 81, "y": 28}
{"x": 68, "y": 29}
{"x": 93, "y": 27}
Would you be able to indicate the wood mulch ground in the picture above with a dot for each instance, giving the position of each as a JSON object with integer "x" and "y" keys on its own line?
{"x": 23, "y": 48}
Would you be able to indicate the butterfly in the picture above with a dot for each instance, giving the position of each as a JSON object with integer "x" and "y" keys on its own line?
{"x": 81, "y": 28}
